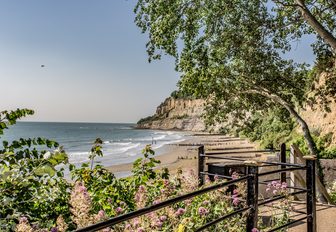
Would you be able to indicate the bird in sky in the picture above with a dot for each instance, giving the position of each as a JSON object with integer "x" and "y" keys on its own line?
{"x": 42, "y": 65}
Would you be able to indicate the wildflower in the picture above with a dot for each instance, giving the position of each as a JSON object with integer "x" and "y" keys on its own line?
{"x": 128, "y": 226}
{"x": 180, "y": 211}
{"x": 202, "y": 211}
{"x": 206, "y": 202}
{"x": 54, "y": 229}
{"x": 23, "y": 220}
{"x": 216, "y": 177}
{"x": 163, "y": 218}
{"x": 140, "y": 230}
{"x": 61, "y": 224}
{"x": 275, "y": 191}
{"x": 254, "y": 230}
{"x": 142, "y": 188}
{"x": 235, "y": 192}
{"x": 156, "y": 202}
{"x": 119, "y": 210}
{"x": 234, "y": 176}
{"x": 23, "y": 225}
{"x": 158, "y": 223}
{"x": 284, "y": 186}
{"x": 235, "y": 200}
{"x": 136, "y": 222}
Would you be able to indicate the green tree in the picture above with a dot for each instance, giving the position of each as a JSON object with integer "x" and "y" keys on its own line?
{"x": 298, "y": 17}
{"x": 225, "y": 51}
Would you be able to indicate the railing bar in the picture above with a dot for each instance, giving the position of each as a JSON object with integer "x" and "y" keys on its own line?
{"x": 238, "y": 152}
{"x": 288, "y": 187}
{"x": 212, "y": 174}
{"x": 221, "y": 219}
{"x": 281, "y": 170}
{"x": 294, "y": 210}
{"x": 286, "y": 164}
{"x": 262, "y": 162}
{"x": 225, "y": 158}
{"x": 269, "y": 200}
{"x": 288, "y": 224}
{"x": 140, "y": 212}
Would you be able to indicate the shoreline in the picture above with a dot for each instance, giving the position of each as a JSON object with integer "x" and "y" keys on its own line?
{"x": 175, "y": 156}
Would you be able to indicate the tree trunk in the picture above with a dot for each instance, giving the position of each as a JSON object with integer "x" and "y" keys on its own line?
{"x": 305, "y": 129}
{"x": 316, "y": 25}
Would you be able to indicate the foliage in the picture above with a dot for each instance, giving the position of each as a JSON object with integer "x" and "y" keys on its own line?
{"x": 228, "y": 52}
{"x": 10, "y": 117}
{"x": 30, "y": 184}
{"x": 332, "y": 191}
{"x": 270, "y": 128}
{"x": 96, "y": 150}
{"x": 324, "y": 149}
{"x": 147, "y": 119}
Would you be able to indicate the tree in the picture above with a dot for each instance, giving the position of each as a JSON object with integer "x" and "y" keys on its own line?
{"x": 298, "y": 17}
{"x": 227, "y": 52}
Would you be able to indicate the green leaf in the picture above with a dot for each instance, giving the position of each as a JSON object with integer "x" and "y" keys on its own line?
{"x": 45, "y": 170}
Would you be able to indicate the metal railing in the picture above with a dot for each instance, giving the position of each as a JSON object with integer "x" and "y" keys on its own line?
{"x": 252, "y": 187}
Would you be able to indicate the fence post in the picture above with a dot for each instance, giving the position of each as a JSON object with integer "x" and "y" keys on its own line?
{"x": 201, "y": 160}
{"x": 283, "y": 160}
{"x": 252, "y": 195}
{"x": 311, "y": 193}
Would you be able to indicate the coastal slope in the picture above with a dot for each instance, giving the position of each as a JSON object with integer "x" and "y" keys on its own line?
{"x": 176, "y": 114}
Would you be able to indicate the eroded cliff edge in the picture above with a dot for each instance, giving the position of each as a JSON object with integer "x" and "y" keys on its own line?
{"x": 176, "y": 114}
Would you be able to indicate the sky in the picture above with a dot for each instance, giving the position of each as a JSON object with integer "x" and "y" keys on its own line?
{"x": 95, "y": 63}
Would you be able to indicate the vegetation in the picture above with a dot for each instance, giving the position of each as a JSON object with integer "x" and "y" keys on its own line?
{"x": 36, "y": 197}
{"x": 229, "y": 52}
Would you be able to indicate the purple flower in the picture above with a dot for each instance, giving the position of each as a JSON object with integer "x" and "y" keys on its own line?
{"x": 254, "y": 230}
{"x": 119, "y": 210}
{"x": 234, "y": 176}
{"x": 54, "y": 229}
{"x": 101, "y": 213}
{"x": 206, "y": 202}
{"x": 142, "y": 188}
{"x": 235, "y": 192}
{"x": 216, "y": 177}
{"x": 275, "y": 191}
{"x": 284, "y": 185}
{"x": 180, "y": 211}
{"x": 128, "y": 226}
{"x": 163, "y": 218}
{"x": 158, "y": 223}
{"x": 235, "y": 200}
{"x": 136, "y": 222}
{"x": 156, "y": 202}
{"x": 23, "y": 220}
{"x": 140, "y": 230}
{"x": 202, "y": 211}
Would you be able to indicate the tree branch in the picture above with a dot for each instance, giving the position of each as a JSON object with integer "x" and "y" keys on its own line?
{"x": 316, "y": 25}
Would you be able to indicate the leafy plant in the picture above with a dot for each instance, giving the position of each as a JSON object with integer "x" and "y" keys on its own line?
{"x": 30, "y": 183}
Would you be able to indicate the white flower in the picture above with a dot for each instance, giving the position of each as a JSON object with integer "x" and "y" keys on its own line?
{"x": 47, "y": 155}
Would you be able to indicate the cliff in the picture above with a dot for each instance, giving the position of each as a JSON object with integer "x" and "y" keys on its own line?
{"x": 176, "y": 114}
{"x": 319, "y": 119}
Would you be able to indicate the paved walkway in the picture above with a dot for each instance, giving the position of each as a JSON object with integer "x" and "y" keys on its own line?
{"x": 326, "y": 219}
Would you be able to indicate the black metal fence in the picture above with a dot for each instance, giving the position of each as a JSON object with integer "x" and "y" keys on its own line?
{"x": 252, "y": 184}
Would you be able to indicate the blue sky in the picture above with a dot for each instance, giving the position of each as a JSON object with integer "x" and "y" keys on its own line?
{"x": 96, "y": 67}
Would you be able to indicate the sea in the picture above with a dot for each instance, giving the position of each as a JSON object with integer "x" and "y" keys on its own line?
{"x": 122, "y": 143}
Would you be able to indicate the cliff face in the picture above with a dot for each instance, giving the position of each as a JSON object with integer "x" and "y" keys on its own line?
{"x": 320, "y": 120}
{"x": 179, "y": 114}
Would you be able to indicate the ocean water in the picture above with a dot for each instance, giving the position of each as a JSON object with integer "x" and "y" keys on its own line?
{"x": 122, "y": 143}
